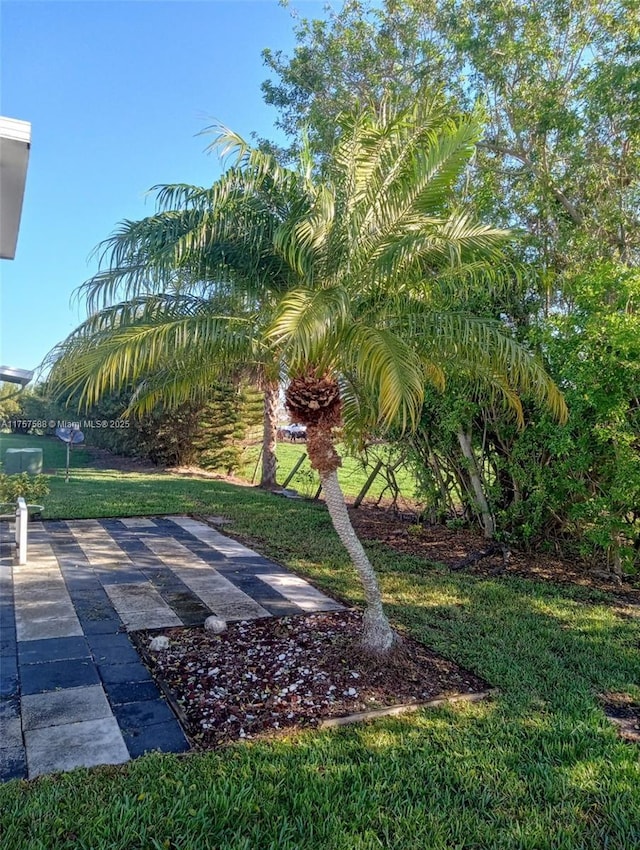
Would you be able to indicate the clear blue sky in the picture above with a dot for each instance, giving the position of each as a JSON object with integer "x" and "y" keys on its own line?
{"x": 116, "y": 93}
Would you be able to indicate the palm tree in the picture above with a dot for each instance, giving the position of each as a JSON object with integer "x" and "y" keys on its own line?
{"x": 213, "y": 251}
{"x": 377, "y": 250}
{"x": 367, "y": 257}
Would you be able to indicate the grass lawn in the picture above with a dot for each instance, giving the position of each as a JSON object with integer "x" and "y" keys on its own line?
{"x": 537, "y": 768}
{"x": 352, "y": 475}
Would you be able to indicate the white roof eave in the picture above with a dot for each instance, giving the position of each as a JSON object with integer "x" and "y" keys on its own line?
{"x": 15, "y": 142}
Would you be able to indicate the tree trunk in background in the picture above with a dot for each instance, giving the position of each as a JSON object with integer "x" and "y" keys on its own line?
{"x": 378, "y": 636}
{"x": 486, "y": 517}
{"x": 269, "y": 462}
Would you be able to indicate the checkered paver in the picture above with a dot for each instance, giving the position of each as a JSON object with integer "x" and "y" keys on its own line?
{"x": 73, "y": 691}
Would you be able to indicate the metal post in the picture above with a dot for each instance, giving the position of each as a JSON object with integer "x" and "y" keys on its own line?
{"x": 368, "y": 483}
{"x": 299, "y": 463}
{"x": 22, "y": 520}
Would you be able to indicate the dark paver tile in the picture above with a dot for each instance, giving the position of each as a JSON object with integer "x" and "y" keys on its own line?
{"x": 89, "y": 596}
{"x": 8, "y": 665}
{"x": 94, "y": 611}
{"x": 135, "y": 715}
{"x": 10, "y": 706}
{"x": 13, "y": 763}
{"x": 193, "y": 618}
{"x": 99, "y": 643}
{"x": 9, "y": 679}
{"x": 165, "y": 737}
{"x": 51, "y": 675}
{"x": 115, "y": 653}
{"x": 191, "y": 610}
{"x": 52, "y": 649}
{"x": 7, "y": 613}
{"x": 123, "y": 692}
{"x": 7, "y": 640}
{"x": 120, "y": 673}
{"x": 81, "y": 583}
{"x": 121, "y": 576}
{"x": 108, "y": 626}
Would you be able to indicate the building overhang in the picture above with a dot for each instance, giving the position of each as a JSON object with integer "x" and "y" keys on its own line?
{"x": 15, "y": 141}
{"x": 11, "y": 375}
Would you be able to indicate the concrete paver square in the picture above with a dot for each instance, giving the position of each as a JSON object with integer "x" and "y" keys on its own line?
{"x": 71, "y": 705}
{"x": 138, "y": 522}
{"x": 109, "y": 626}
{"x": 114, "y": 652}
{"x": 49, "y": 590}
{"x": 138, "y": 596}
{"x": 135, "y": 715}
{"x": 10, "y": 732}
{"x": 34, "y": 610}
{"x": 84, "y": 744}
{"x": 300, "y": 591}
{"x": 124, "y": 692}
{"x": 138, "y": 620}
{"x": 121, "y": 576}
{"x": 121, "y": 673}
{"x": 63, "y": 627}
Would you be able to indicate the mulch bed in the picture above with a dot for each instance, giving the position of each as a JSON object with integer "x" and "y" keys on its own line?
{"x": 624, "y": 712}
{"x": 440, "y": 544}
{"x": 265, "y": 677}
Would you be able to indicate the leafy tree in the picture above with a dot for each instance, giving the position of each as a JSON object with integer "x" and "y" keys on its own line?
{"x": 561, "y": 154}
{"x": 559, "y": 161}
{"x": 587, "y": 483}
{"x": 9, "y": 403}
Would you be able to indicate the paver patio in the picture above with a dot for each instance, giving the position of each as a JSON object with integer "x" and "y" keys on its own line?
{"x": 73, "y": 691}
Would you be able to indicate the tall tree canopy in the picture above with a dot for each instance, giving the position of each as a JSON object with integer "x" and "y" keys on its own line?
{"x": 561, "y": 155}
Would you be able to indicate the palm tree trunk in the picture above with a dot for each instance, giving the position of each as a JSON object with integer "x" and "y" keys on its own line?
{"x": 269, "y": 434}
{"x": 378, "y": 636}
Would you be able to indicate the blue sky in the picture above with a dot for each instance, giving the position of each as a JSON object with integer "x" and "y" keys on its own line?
{"x": 117, "y": 93}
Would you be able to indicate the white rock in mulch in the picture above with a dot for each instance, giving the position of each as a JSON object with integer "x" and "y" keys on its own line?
{"x": 159, "y": 643}
{"x": 215, "y": 625}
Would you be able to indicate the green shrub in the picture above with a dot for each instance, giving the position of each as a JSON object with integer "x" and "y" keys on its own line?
{"x": 30, "y": 487}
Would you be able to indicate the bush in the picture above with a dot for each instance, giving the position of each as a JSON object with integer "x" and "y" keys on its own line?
{"x": 30, "y": 487}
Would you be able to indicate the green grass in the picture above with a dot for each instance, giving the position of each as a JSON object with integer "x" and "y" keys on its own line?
{"x": 351, "y": 474}
{"x": 537, "y": 768}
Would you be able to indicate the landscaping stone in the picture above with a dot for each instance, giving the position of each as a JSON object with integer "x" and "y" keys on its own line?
{"x": 216, "y": 625}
